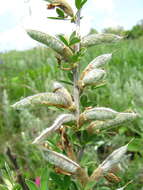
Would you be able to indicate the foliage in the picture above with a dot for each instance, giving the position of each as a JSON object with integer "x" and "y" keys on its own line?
{"x": 136, "y": 31}
{"x": 119, "y": 30}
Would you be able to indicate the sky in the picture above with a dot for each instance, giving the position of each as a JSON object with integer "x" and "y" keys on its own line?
{"x": 18, "y": 15}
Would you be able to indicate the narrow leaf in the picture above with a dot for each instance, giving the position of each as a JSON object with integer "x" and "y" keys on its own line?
{"x": 60, "y": 13}
{"x": 31, "y": 185}
{"x": 44, "y": 179}
{"x": 56, "y": 18}
{"x": 74, "y": 41}
{"x": 72, "y": 35}
{"x": 83, "y": 2}
{"x": 63, "y": 39}
{"x": 78, "y": 4}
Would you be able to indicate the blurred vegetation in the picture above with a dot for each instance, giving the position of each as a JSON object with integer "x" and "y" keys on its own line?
{"x": 28, "y": 72}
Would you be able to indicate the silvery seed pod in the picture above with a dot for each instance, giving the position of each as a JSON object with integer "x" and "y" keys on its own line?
{"x": 119, "y": 119}
{"x": 96, "y": 63}
{"x": 51, "y": 42}
{"x": 98, "y": 113}
{"x": 60, "y": 161}
{"x": 97, "y": 39}
{"x": 49, "y": 99}
{"x": 64, "y": 5}
{"x": 62, "y": 119}
{"x": 113, "y": 158}
{"x": 61, "y": 91}
{"x": 93, "y": 77}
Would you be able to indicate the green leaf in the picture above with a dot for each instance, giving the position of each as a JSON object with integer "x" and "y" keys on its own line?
{"x": 74, "y": 41}
{"x": 56, "y": 18}
{"x": 70, "y": 76}
{"x": 83, "y": 2}
{"x": 17, "y": 187}
{"x": 75, "y": 58}
{"x": 66, "y": 82}
{"x": 31, "y": 185}
{"x": 78, "y": 4}
{"x": 67, "y": 182}
{"x": 57, "y": 179}
{"x": 63, "y": 39}
{"x": 84, "y": 100}
{"x": 8, "y": 173}
{"x": 3, "y": 187}
{"x": 90, "y": 185}
{"x": 44, "y": 179}
{"x": 60, "y": 12}
{"x": 72, "y": 35}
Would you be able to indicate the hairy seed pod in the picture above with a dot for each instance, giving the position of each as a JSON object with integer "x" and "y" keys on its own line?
{"x": 111, "y": 177}
{"x": 96, "y": 63}
{"x": 98, "y": 113}
{"x": 60, "y": 161}
{"x": 62, "y": 119}
{"x": 113, "y": 158}
{"x": 97, "y": 39}
{"x": 52, "y": 43}
{"x": 119, "y": 119}
{"x": 93, "y": 77}
{"x": 64, "y": 5}
{"x": 61, "y": 91}
{"x": 49, "y": 99}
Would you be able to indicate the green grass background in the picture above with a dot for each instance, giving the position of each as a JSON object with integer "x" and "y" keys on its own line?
{"x": 29, "y": 72}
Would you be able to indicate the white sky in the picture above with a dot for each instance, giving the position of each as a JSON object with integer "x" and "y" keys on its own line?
{"x": 15, "y": 18}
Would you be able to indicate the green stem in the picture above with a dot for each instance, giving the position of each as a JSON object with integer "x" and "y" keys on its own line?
{"x": 76, "y": 70}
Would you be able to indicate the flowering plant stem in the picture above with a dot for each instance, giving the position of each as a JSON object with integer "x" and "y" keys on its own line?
{"x": 76, "y": 90}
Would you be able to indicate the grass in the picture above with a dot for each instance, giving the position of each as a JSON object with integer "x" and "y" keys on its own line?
{"x": 28, "y": 72}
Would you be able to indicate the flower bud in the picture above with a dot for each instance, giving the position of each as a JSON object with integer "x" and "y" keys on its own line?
{"x": 97, "y": 39}
{"x": 64, "y": 5}
{"x": 60, "y": 161}
{"x": 64, "y": 118}
{"x": 52, "y": 43}
{"x": 93, "y": 77}
{"x": 96, "y": 63}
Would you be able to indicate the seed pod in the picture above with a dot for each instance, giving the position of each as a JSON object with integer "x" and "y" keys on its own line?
{"x": 49, "y": 99}
{"x": 61, "y": 91}
{"x": 64, "y": 5}
{"x": 93, "y": 77}
{"x": 64, "y": 118}
{"x": 113, "y": 158}
{"x": 51, "y": 42}
{"x": 97, "y": 39}
{"x": 98, "y": 113}
{"x": 60, "y": 161}
{"x": 96, "y": 63}
{"x": 119, "y": 119}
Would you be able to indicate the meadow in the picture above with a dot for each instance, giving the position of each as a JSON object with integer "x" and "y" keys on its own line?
{"x": 28, "y": 72}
